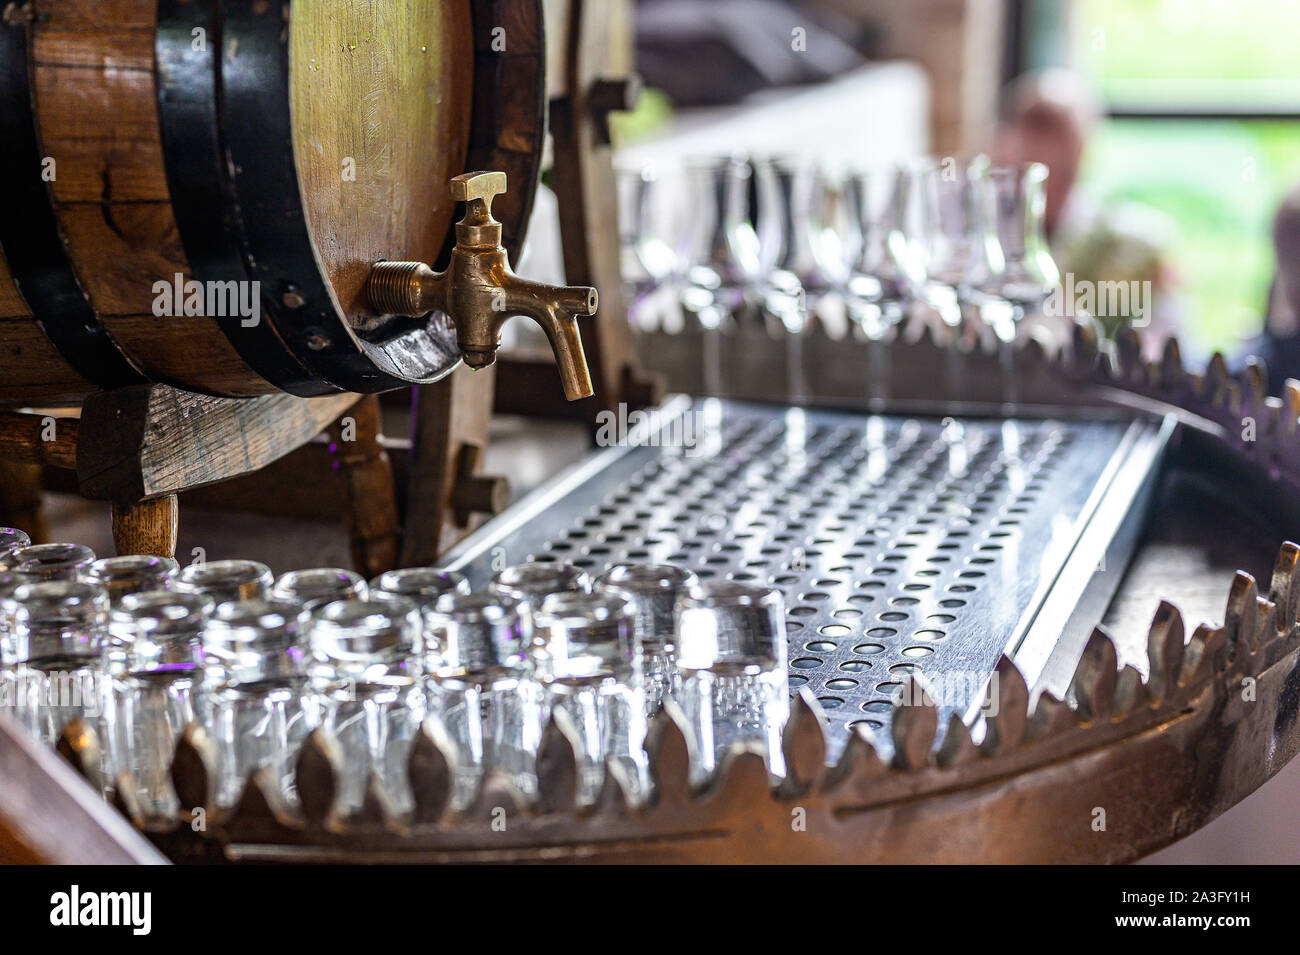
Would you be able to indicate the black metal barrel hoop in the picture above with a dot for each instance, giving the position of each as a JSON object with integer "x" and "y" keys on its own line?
{"x": 253, "y": 103}
{"x": 203, "y": 203}
{"x": 30, "y": 234}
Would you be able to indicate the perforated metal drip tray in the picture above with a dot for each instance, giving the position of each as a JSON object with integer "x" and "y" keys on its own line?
{"x": 900, "y": 544}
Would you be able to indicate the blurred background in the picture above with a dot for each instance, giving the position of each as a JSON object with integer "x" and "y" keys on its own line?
{"x": 1180, "y": 116}
{"x": 1171, "y": 129}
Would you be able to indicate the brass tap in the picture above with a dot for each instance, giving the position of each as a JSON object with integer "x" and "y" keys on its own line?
{"x": 479, "y": 291}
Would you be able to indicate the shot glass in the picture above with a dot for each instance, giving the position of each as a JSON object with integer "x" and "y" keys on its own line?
{"x": 534, "y": 582}
{"x": 261, "y": 709}
{"x": 122, "y": 576}
{"x": 653, "y": 591}
{"x": 227, "y": 580}
{"x": 159, "y": 689}
{"x": 368, "y": 679}
{"x": 11, "y": 538}
{"x": 38, "y": 562}
{"x": 59, "y": 634}
{"x": 318, "y": 586}
{"x": 596, "y": 681}
{"x": 424, "y": 586}
{"x": 483, "y": 690}
{"x": 731, "y": 651}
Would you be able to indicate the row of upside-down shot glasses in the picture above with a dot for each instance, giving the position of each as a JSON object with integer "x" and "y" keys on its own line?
{"x": 138, "y": 649}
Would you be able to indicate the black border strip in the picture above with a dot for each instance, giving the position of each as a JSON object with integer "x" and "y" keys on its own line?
{"x": 256, "y": 123}
{"x": 206, "y": 216}
{"x": 30, "y": 235}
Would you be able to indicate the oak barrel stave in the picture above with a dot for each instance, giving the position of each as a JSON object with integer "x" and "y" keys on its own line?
{"x": 133, "y": 166}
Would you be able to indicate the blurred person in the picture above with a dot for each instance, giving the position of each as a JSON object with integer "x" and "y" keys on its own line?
{"x": 1049, "y": 117}
{"x": 1279, "y": 344}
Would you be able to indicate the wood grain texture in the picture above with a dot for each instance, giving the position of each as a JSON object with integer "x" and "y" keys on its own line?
{"x": 147, "y": 441}
{"x": 20, "y": 498}
{"x": 587, "y": 43}
{"x": 146, "y": 527}
{"x": 49, "y": 815}
{"x": 362, "y": 466}
{"x": 584, "y": 184}
{"x": 12, "y": 303}
{"x": 445, "y": 416}
{"x": 36, "y": 437}
{"x": 380, "y": 90}
{"x": 30, "y": 366}
{"x": 95, "y": 97}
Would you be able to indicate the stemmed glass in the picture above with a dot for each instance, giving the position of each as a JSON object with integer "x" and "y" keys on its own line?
{"x": 1026, "y": 274}
{"x": 649, "y": 263}
{"x": 962, "y": 250}
{"x": 719, "y": 254}
{"x": 886, "y": 274}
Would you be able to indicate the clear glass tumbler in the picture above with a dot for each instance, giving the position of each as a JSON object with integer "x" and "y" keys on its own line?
{"x": 483, "y": 690}
{"x": 653, "y": 591}
{"x": 319, "y": 585}
{"x": 731, "y": 650}
{"x": 121, "y": 576}
{"x": 424, "y": 586}
{"x": 227, "y": 580}
{"x": 39, "y": 562}
{"x": 369, "y": 682}
{"x": 11, "y": 538}
{"x": 596, "y": 681}
{"x": 59, "y": 635}
{"x": 159, "y": 690}
{"x": 256, "y": 659}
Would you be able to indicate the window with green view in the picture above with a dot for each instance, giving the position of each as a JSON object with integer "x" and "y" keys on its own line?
{"x": 1218, "y": 179}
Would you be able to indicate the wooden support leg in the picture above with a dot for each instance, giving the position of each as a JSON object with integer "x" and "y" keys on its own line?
{"x": 367, "y": 475}
{"x": 146, "y": 527}
{"x": 20, "y": 498}
{"x": 445, "y": 498}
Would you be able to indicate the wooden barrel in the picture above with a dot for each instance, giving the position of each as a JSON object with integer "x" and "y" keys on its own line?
{"x": 196, "y": 190}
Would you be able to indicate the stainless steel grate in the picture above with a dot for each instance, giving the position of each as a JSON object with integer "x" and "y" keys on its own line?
{"x": 901, "y": 544}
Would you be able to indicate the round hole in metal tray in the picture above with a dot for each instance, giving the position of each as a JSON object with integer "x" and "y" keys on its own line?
{"x": 866, "y": 649}
{"x": 806, "y": 663}
{"x": 835, "y": 630}
{"x": 865, "y": 724}
{"x": 820, "y": 646}
{"x": 855, "y": 666}
{"x": 930, "y": 635}
{"x": 797, "y": 680}
{"x": 830, "y": 702}
{"x": 917, "y": 651}
{"x": 841, "y": 683}
{"x": 877, "y": 706}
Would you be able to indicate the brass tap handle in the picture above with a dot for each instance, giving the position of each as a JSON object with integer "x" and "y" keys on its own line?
{"x": 469, "y": 186}
{"x": 479, "y": 291}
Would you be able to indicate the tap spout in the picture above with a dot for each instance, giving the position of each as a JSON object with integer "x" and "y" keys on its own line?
{"x": 479, "y": 291}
